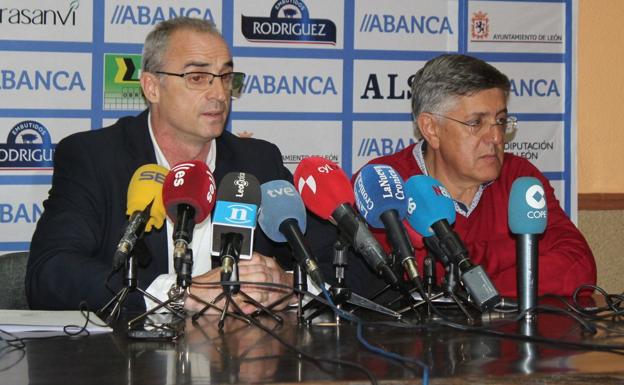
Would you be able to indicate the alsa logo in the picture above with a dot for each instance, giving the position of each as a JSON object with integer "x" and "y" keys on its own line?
{"x": 480, "y": 26}
{"x": 373, "y": 90}
{"x": 408, "y": 24}
{"x": 145, "y": 15}
{"x": 28, "y": 146}
{"x": 40, "y": 16}
{"x": 41, "y": 80}
{"x": 289, "y": 22}
{"x": 535, "y": 87}
{"x": 289, "y": 85}
{"x": 374, "y": 146}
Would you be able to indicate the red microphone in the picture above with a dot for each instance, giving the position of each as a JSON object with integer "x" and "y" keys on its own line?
{"x": 189, "y": 193}
{"x": 327, "y": 192}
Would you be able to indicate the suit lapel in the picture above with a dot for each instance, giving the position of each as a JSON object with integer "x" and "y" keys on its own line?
{"x": 140, "y": 151}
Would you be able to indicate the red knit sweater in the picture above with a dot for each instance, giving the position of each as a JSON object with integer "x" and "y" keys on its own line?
{"x": 565, "y": 259}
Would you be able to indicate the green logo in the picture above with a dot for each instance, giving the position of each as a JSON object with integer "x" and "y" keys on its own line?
{"x": 122, "y": 90}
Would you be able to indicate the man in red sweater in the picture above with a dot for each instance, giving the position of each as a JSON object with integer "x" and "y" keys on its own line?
{"x": 459, "y": 104}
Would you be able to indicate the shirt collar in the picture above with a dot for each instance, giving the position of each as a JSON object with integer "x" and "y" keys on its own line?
{"x": 419, "y": 155}
{"x": 162, "y": 161}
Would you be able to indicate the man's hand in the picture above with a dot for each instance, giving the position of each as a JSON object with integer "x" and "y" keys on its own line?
{"x": 259, "y": 269}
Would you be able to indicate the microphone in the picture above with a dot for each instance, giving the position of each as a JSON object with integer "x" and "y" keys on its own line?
{"x": 527, "y": 217}
{"x": 326, "y": 191}
{"x": 282, "y": 217}
{"x": 380, "y": 198}
{"x": 144, "y": 208}
{"x": 189, "y": 197}
{"x": 431, "y": 212}
{"x": 234, "y": 219}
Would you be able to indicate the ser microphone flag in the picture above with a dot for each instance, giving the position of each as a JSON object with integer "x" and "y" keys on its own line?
{"x": 234, "y": 219}
{"x": 527, "y": 218}
{"x": 327, "y": 192}
{"x": 380, "y": 198}
{"x": 144, "y": 207}
{"x": 189, "y": 197}
{"x": 430, "y": 213}
{"x": 282, "y": 217}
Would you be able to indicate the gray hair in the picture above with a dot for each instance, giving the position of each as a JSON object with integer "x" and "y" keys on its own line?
{"x": 442, "y": 79}
{"x": 157, "y": 40}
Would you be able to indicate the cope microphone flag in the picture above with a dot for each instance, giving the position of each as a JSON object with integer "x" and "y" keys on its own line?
{"x": 380, "y": 198}
{"x": 189, "y": 197}
{"x": 282, "y": 217}
{"x": 144, "y": 207}
{"x": 527, "y": 218}
{"x": 431, "y": 212}
{"x": 326, "y": 191}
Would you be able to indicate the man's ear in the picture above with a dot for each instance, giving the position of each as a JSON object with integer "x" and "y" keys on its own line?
{"x": 150, "y": 84}
{"x": 429, "y": 129}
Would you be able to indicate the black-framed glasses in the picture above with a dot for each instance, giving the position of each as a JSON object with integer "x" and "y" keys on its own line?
{"x": 199, "y": 80}
{"x": 506, "y": 125}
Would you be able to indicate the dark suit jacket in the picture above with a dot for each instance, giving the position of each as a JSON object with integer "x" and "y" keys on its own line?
{"x": 84, "y": 217}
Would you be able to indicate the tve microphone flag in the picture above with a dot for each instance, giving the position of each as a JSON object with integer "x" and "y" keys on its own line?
{"x": 426, "y": 194}
{"x": 145, "y": 208}
{"x": 326, "y": 191}
{"x": 234, "y": 218}
{"x": 527, "y": 217}
{"x": 282, "y": 217}
{"x": 380, "y": 198}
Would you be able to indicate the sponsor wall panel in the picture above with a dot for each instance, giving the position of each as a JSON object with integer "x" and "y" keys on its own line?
{"x": 46, "y": 20}
{"x": 504, "y": 26}
{"x": 33, "y": 80}
{"x": 559, "y": 187}
{"x": 324, "y": 77}
{"x": 541, "y": 143}
{"x": 129, "y": 21}
{"x": 283, "y": 24}
{"x": 121, "y": 88}
{"x": 381, "y": 86}
{"x": 406, "y": 25}
{"x": 290, "y": 85}
{"x": 375, "y": 139}
{"x": 296, "y": 139}
{"x": 20, "y": 208}
{"x": 535, "y": 87}
{"x": 28, "y": 144}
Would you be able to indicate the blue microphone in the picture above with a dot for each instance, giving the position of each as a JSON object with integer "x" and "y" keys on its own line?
{"x": 431, "y": 212}
{"x": 527, "y": 217}
{"x": 282, "y": 217}
{"x": 380, "y": 198}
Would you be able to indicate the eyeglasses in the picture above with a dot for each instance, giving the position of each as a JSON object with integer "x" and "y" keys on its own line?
{"x": 232, "y": 81}
{"x": 506, "y": 125}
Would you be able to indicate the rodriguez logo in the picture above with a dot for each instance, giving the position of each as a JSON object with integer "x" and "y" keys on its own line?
{"x": 28, "y": 145}
{"x": 480, "y": 27}
{"x": 289, "y": 22}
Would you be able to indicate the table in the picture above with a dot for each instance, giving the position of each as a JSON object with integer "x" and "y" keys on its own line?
{"x": 247, "y": 354}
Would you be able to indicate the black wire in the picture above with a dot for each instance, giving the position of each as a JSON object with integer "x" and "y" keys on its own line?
{"x": 313, "y": 359}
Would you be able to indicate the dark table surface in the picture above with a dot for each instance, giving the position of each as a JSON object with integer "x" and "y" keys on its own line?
{"x": 248, "y": 354}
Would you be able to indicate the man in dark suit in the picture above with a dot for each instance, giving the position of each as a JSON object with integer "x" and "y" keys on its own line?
{"x": 187, "y": 79}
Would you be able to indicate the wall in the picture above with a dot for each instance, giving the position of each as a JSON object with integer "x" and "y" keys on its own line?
{"x": 600, "y": 96}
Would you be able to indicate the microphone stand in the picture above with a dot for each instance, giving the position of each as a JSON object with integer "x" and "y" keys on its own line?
{"x": 341, "y": 294}
{"x": 451, "y": 279}
{"x": 300, "y": 286}
{"x": 229, "y": 273}
{"x": 129, "y": 285}
{"x": 183, "y": 264}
